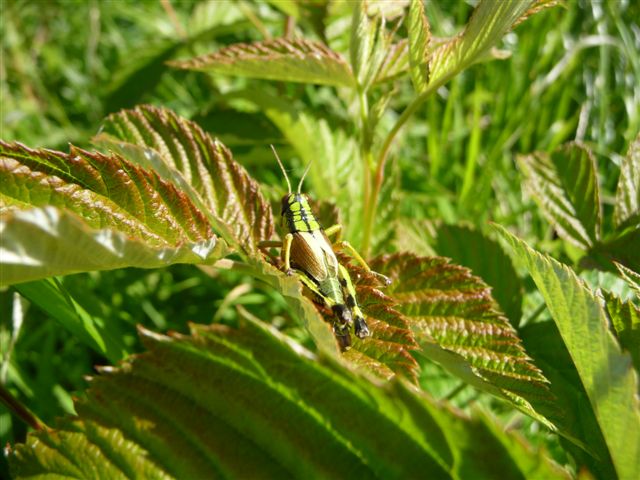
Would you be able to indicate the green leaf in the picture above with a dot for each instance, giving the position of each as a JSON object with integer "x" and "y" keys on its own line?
{"x": 606, "y": 372}
{"x": 51, "y": 297}
{"x": 287, "y": 60}
{"x": 282, "y": 413}
{"x": 625, "y": 319}
{"x": 419, "y": 39}
{"x": 489, "y": 22}
{"x": 620, "y": 247}
{"x": 447, "y": 306}
{"x": 369, "y": 43}
{"x": 627, "y": 206}
{"x": 631, "y": 277}
{"x": 199, "y": 165}
{"x": 565, "y": 186}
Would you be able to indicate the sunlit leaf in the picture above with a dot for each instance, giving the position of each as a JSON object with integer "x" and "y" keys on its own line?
{"x": 288, "y": 60}
{"x": 565, "y": 186}
{"x": 627, "y": 206}
{"x": 248, "y": 403}
{"x": 419, "y": 38}
{"x": 625, "y": 319}
{"x": 202, "y": 167}
{"x": 95, "y": 212}
{"x": 631, "y": 277}
{"x": 605, "y": 371}
{"x": 445, "y": 304}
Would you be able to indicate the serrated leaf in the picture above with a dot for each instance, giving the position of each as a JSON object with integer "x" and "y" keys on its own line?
{"x": 202, "y": 167}
{"x": 445, "y": 304}
{"x": 287, "y": 60}
{"x": 631, "y": 277}
{"x": 620, "y": 247}
{"x": 396, "y": 62}
{"x": 98, "y": 212}
{"x": 419, "y": 39}
{"x": 606, "y": 372}
{"x": 489, "y": 22}
{"x": 627, "y": 206}
{"x": 486, "y": 258}
{"x": 625, "y": 319}
{"x": 249, "y": 403}
{"x": 565, "y": 186}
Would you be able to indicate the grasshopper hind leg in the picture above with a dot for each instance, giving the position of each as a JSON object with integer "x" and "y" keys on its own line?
{"x": 359, "y": 324}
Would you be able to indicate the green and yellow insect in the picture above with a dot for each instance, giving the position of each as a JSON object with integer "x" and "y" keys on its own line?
{"x": 307, "y": 251}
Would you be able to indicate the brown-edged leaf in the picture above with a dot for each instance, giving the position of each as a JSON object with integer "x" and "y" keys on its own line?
{"x": 198, "y": 164}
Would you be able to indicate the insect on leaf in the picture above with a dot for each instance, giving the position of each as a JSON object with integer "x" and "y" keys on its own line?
{"x": 199, "y": 165}
{"x": 287, "y": 60}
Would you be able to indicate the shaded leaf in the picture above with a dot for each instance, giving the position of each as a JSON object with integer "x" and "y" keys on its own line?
{"x": 288, "y": 60}
{"x": 164, "y": 415}
{"x": 445, "y": 304}
{"x": 620, "y": 247}
{"x": 51, "y": 297}
{"x": 419, "y": 38}
{"x": 202, "y": 167}
{"x": 625, "y": 319}
{"x": 605, "y": 371}
{"x": 565, "y": 186}
{"x": 627, "y": 206}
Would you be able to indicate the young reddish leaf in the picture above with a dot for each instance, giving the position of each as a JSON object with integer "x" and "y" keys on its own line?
{"x": 445, "y": 303}
{"x": 200, "y": 165}
{"x": 98, "y": 212}
{"x": 287, "y": 60}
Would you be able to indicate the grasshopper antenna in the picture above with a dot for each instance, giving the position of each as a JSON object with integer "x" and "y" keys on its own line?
{"x": 282, "y": 168}
{"x": 306, "y": 170}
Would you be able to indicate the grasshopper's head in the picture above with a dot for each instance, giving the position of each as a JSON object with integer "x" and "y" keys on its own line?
{"x": 294, "y": 202}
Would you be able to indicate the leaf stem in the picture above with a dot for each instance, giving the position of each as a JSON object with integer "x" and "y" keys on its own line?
{"x": 19, "y": 410}
{"x": 372, "y": 200}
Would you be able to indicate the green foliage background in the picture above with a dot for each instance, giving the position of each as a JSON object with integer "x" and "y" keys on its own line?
{"x": 573, "y": 75}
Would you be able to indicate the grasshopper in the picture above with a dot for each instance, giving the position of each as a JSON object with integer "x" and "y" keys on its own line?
{"x": 307, "y": 251}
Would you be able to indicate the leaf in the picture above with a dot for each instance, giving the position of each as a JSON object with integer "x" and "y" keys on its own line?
{"x": 627, "y": 206}
{"x": 43, "y": 242}
{"x": 631, "y": 277}
{"x": 565, "y": 186}
{"x": 163, "y": 414}
{"x": 574, "y": 417}
{"x": 287, "y": 60}
{"x": 396, "y": 62}
{"x": 369, "y": 44}
{"x": 606, "y": 372}
{"x": 51, "y": 297}
{"x": 486, "y": 258}
{"x": 489, "y": 22}
{"x": 113, "y": 215}
{"x": 419, "y": 38}
{"x": 138, "y": 74}
{"x": 202, "y": 167}
{"x": 625, "y": 319}
{"x": 446, "y": 305}
{"x": 620, "y": 247}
